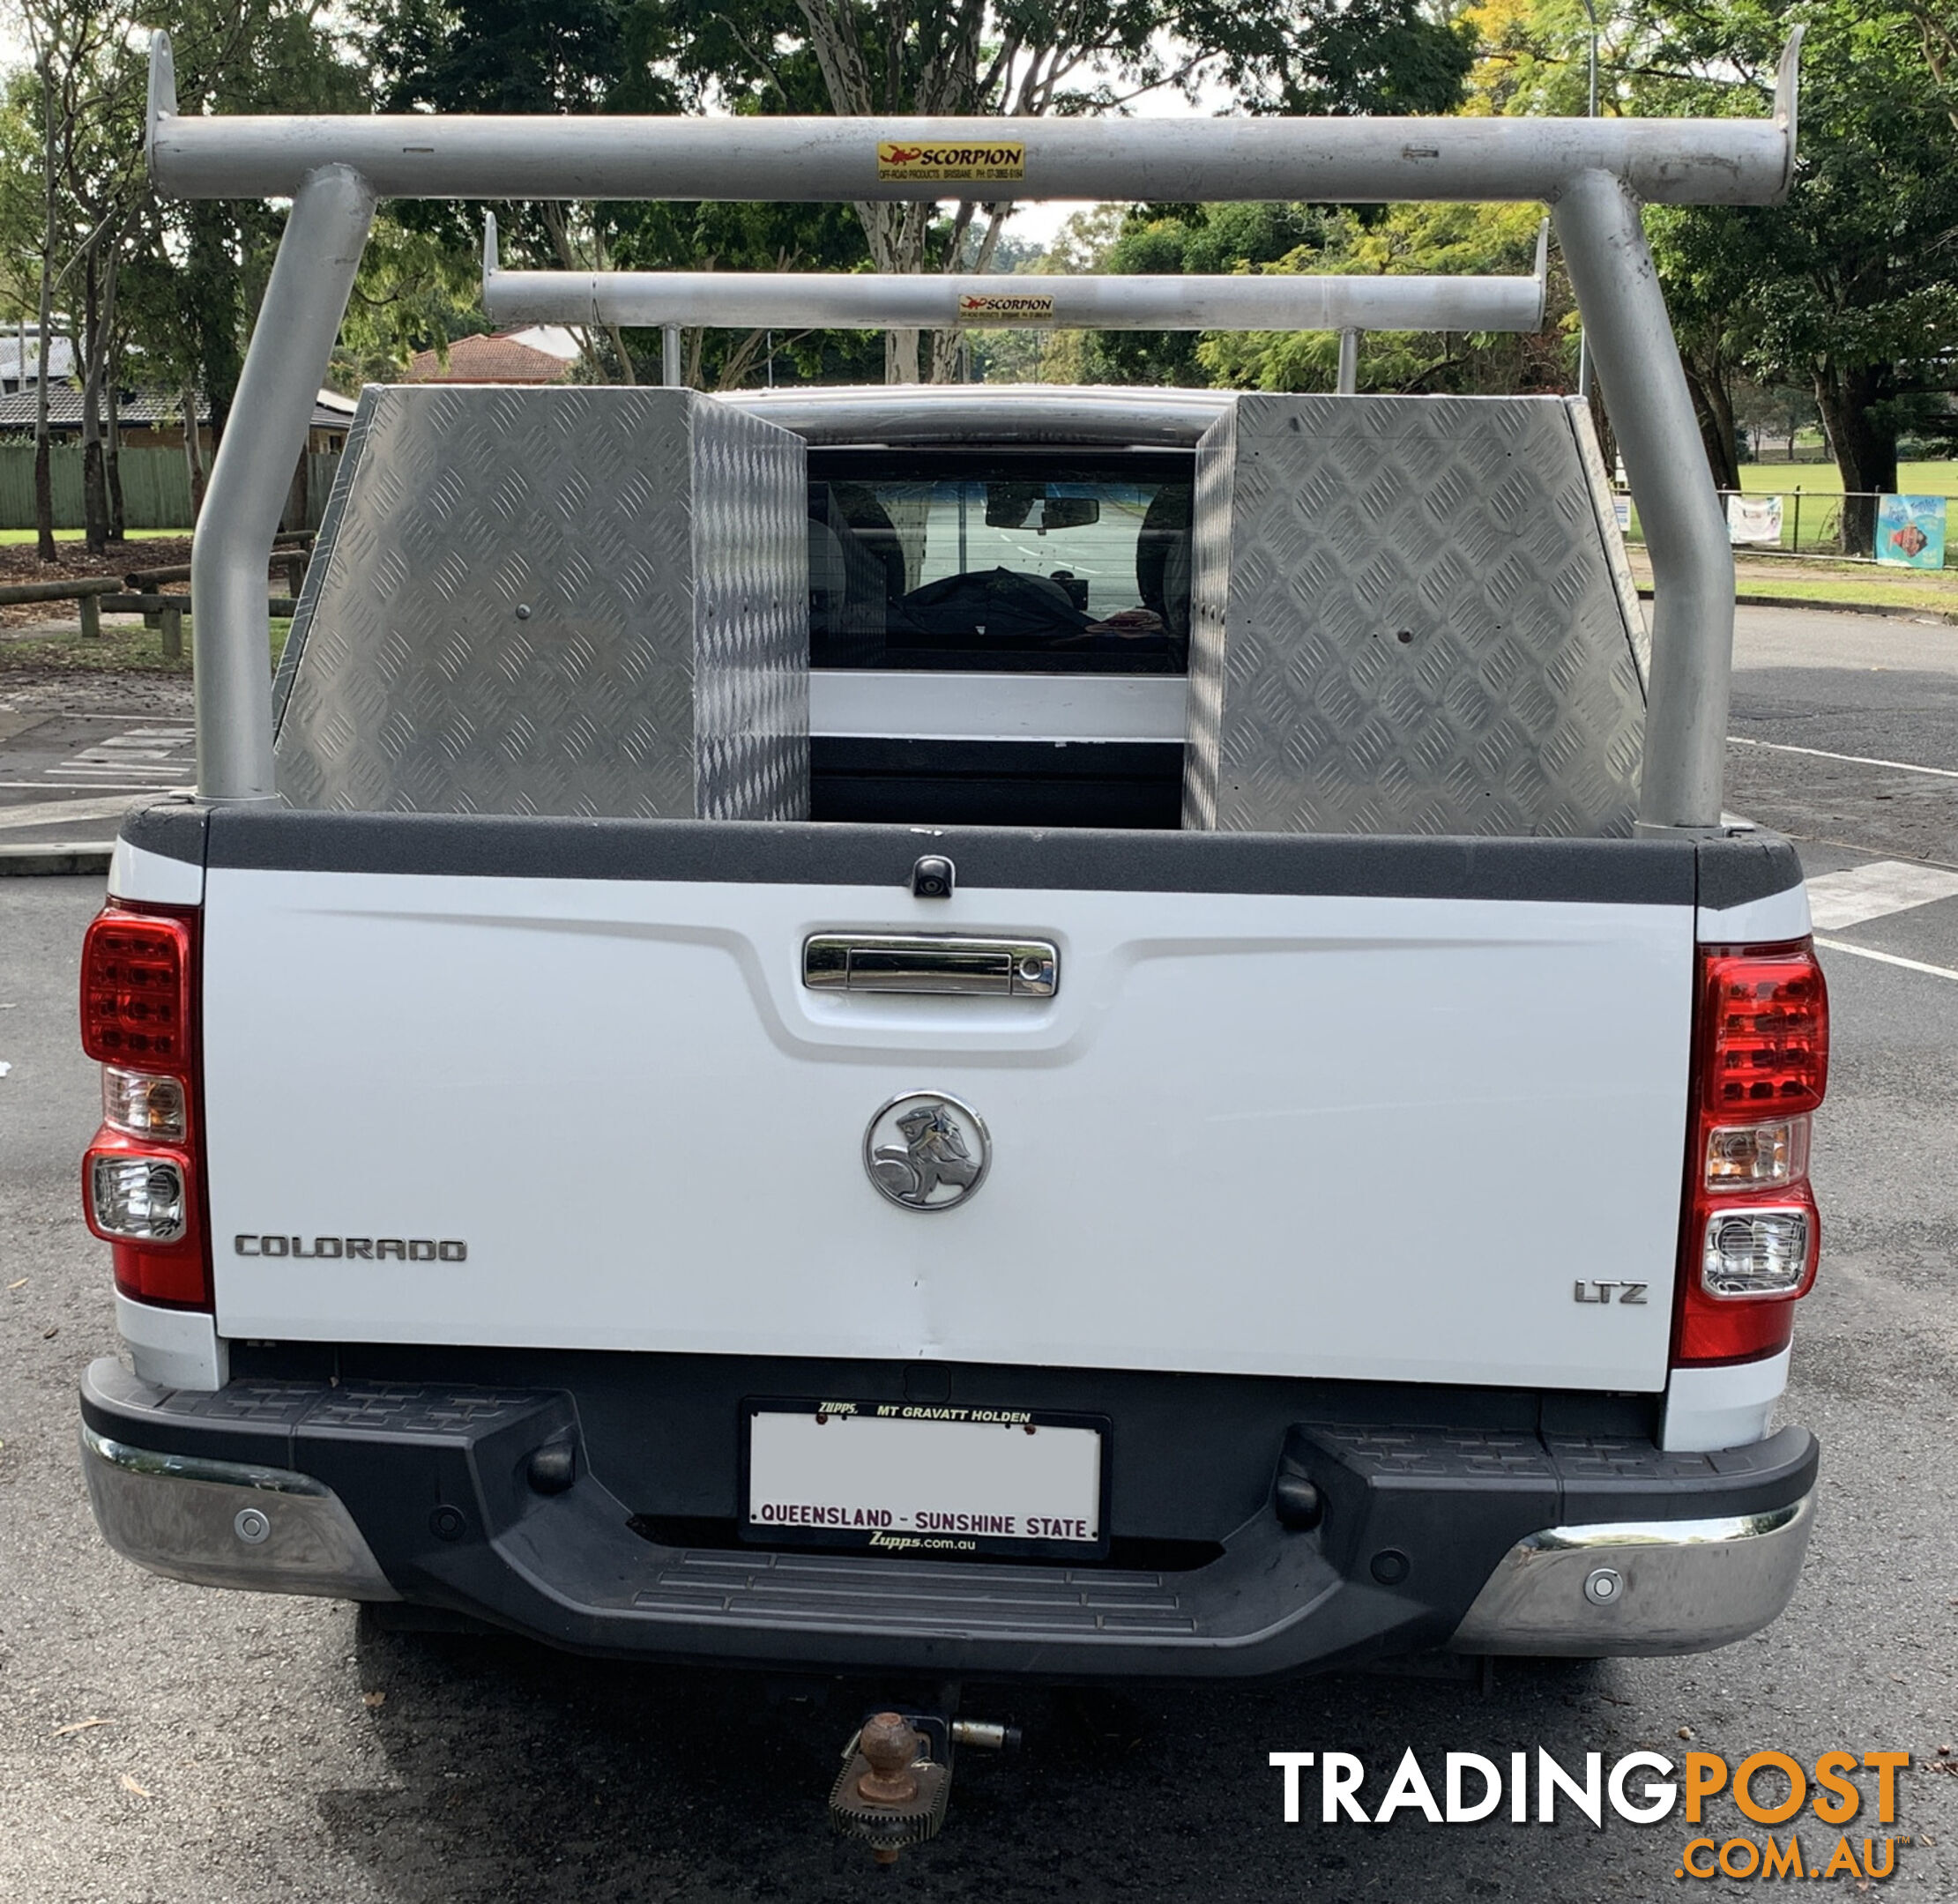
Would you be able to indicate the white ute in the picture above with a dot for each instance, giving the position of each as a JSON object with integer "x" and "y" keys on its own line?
{"x": 965, "y": 1031}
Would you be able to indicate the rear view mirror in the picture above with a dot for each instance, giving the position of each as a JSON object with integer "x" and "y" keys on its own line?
{"x": 1012, "y": 506}
{"x": 1070, "y": 512}
{"x": 1008, "y": 505}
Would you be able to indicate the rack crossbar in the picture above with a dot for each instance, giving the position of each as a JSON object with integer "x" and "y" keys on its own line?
{"x": 803, "y": 300}
{"x": 800, "y": 160}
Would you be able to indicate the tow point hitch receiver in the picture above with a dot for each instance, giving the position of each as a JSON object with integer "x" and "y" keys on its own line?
{"x": 896, "y": 1777}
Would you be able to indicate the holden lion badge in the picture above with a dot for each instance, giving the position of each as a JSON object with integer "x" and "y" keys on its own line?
{"x": 927, "y": 1151}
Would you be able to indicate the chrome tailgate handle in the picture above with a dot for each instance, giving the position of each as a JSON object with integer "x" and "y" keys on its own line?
{"x": 926, "y": 963}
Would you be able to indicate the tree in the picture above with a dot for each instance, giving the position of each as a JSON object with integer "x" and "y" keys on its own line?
{"x": 1852, "y": 287}
{"x": 859, "y": 57}
{"x": 1438, "y": 240}
{"x": 512, "y": 55}
{"x": 1863, "y": 299}
{"x": 76, "y": 84}
{"x": 1198, "y": 239}
{"x": 170, "y": 285}
{"x": 1848, "y": 290}
{"x": 211, "y": 258}
{"x": 416, "y": 290}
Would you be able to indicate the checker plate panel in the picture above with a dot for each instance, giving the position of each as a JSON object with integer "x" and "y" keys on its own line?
{"x": 1408, "y": 617}
{"x": 655, "y": 538}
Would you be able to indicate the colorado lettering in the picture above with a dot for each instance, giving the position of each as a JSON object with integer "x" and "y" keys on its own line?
{"x": 355, "y": 1249}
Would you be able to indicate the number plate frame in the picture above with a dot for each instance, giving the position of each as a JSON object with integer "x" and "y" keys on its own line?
{"x": 1030, "y": 1490}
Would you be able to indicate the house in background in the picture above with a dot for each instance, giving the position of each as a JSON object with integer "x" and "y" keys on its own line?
{"x": 153, "y": 467}
{"x": 148, "y": 418}
{"x": 154, "y": 463}
{"x": 540, "y": 353}
{"x": 154, "y": 420}
{"x": 16, "y": 342}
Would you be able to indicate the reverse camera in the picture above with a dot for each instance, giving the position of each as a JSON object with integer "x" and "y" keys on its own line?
{"x": 931, "y": 877}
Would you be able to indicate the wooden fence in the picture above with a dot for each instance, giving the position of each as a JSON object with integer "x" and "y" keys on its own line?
{"x": 156, "y": 487}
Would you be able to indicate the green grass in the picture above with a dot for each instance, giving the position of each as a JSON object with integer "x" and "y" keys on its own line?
{"x": 17, "y": 536}
{"x": 1824, "y": 479}
{"x": 1853, "y": 594}
{"x": 120, "y": 649}
{"x": 1842, "y": 584}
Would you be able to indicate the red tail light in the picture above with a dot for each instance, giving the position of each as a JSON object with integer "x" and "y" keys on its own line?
{"x": 143, "y": 1177}
{"x": 1765, "y": 1031}
{"x": 135, "y": 989}
{"x": 1753, "y": 1234}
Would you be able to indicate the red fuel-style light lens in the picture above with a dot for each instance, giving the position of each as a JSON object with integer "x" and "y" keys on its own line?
{"x": 136, "y": 991}
{"x": 1765, "y": 1028}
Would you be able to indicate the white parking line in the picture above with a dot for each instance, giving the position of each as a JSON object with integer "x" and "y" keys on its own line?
{"x": 1855, "y": 760}
{"x": 49, "y": 812}
{"x": 157, "y": 755}
{"x": 1869, "y": 892}
{"x": 134, "y": 786}
{"x": 1886, "y": 958}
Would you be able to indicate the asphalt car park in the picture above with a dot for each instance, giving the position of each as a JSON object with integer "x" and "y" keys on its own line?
{"x": 157, "y": 1742}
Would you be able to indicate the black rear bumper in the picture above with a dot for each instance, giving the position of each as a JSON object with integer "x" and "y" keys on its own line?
{"x": 436, "y": 1481}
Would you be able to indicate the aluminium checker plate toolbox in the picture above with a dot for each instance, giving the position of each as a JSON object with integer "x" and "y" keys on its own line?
{"x": 568, "y": 601}
{"x": 1411, "y": 614}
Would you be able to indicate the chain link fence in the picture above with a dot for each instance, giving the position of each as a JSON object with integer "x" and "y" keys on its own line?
{"x": 1802, "y": 522}
{"x": 1796, "y": 521}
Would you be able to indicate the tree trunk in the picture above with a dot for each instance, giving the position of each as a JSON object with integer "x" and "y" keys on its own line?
{"x": 112, "y": 463}
{"x": 88, "y": 342}
{"x": 559, "y": 231}
{"x": 962, "y": 74}
{"x": 193, "y": 452}
{"x": 740, "y": 361}
{"x": 44, "y": 482}
{"x": 1713, "y": 410}
{"x": 1607, "y": 437}
{"x": 950, "y": 354}
{"x": 1865, "y": 449}
{"x": 211, "y": 274}
{"x": 112, "y": 361}
{"x": 299, "y": 502}
{"x": 896, "y": 234}
{"x": 603, "y": 263}
{"x": 901, "y": 356}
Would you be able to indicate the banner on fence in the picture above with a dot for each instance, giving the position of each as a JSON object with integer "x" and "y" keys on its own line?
{"x": 1621, "y": 507}
{"x": 1754, "y": 518}
{"x": 1911, "y": 530}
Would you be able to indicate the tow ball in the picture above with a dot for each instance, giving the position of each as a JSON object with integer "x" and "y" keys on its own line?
{"x": 897, "y": 1776}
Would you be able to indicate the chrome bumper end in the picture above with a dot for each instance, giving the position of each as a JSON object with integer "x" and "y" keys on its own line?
{"x": 1640, "y": 1588}
{"x": 228, "y": 1524}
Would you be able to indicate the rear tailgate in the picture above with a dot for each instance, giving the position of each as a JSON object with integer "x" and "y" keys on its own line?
{"x": 1359, "y": 1108}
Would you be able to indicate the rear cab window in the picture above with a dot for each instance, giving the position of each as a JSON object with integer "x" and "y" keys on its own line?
{"x": 999, "y": 561}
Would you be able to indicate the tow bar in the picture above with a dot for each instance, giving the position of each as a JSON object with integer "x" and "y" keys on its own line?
{"x": 897, "y": 1776}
